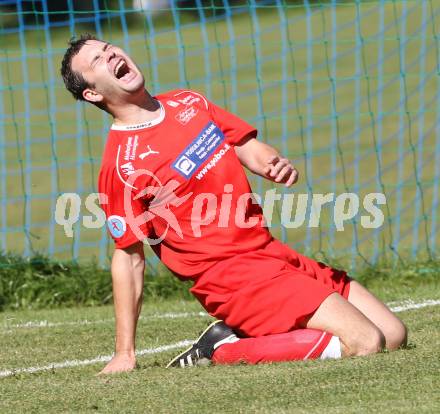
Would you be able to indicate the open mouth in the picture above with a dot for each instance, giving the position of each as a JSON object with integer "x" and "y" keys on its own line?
{"x": 121, "y": 70}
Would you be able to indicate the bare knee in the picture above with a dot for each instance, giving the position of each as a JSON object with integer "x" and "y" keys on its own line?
{"x": 396, "y": 335}
{"x": 391, "y": 326}
{"x": 358, "y": 334}
{"x": 370, "y": 341}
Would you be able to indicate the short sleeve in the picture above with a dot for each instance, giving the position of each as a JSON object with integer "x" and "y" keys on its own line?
{"x": 233, "y": 127}
{"x": 121, "y": 215}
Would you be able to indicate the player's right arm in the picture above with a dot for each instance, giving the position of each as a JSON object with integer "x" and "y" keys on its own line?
{"x": 117, "y": 199}
{"x": 127, "y": 270}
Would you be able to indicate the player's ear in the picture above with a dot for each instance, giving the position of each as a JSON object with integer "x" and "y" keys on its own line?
{"x": 92, "y": 96}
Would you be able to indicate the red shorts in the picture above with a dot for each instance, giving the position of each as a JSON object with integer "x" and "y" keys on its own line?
{"x": 268, "y": 291}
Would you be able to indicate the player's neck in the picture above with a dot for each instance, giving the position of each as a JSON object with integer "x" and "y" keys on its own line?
{"x": 142, "y": 108}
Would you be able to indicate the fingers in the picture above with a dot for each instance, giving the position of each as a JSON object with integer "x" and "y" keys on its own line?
{"x": 281, "y": 170}
{"x": 292, "y": 179}
{"x": 271, "y": 162}
{"x": 278, "y": 167}
{"x": 281, "y": 175}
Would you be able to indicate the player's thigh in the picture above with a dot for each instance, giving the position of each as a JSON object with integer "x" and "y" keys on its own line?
{"x": 359, "y": 335}
{"x": 392, "y": 327}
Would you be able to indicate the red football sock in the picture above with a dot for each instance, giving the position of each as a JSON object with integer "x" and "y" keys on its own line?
{"x": 294, "y": 345}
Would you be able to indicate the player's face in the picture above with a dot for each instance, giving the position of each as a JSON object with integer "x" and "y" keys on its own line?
{"x": 109, "y": 69}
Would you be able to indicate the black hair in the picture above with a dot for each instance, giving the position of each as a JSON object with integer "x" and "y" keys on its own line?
{"x": 74, "y": 81}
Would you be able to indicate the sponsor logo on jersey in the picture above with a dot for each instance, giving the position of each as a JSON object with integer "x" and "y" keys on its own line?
{"x": 184, "y": 165}
{"x": 199, "y": 150}
{"x": 127, "y": 168}
{"x": 213, "y": 161}
{"x": 117, "y": 226}
{"x": 186, "y": 115}
{"x": 149, "y": 152}
{"x": 130, "y": 148}
{"x": 173, "y": 104}
{"x": 189, "y": 100}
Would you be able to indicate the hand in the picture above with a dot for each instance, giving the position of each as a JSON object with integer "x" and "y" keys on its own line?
{"x": 120, "y": 363}
{"x": 281, "y": 170}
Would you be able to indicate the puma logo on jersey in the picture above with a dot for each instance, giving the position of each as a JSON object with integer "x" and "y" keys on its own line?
{"x": 149, "y": 152}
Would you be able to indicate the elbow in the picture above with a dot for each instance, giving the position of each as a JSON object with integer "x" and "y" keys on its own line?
{"x": 130, "y": 259}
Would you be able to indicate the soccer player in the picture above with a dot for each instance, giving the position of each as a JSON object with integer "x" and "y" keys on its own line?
{"x": 172, "y": 174}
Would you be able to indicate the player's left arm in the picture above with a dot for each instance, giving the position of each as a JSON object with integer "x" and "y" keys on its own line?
{"x": 264, "y": 160}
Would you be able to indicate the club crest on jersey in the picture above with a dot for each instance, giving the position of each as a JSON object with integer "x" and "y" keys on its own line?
{"x": 187, "y": 114}
{"x": 199, "y": 150}
{"x": 117, "y": 226}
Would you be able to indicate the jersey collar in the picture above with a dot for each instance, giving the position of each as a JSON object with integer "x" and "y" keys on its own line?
{"x": 147, "y": 124}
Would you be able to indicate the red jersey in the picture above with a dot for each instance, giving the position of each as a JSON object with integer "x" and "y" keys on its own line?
{"x": 177, "y": 183}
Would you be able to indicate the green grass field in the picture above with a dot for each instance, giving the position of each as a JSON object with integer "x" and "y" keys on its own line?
{"x": 405, "y": 381}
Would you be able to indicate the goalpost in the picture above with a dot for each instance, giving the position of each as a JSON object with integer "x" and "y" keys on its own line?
{"x": 349, "y": 90}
